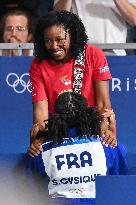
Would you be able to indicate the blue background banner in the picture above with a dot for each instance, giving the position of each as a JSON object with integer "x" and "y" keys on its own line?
{"x": 116, "y": 190}
{"x": 16, "y": 106}
{"x": 123, "y": 98}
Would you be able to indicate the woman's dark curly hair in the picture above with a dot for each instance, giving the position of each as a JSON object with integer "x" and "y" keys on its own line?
{"x": 70, "y": 22}
{"x": 72, "y": 111}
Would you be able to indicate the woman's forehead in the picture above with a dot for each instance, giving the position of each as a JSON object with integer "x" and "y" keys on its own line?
{"x": 58, "y": 29}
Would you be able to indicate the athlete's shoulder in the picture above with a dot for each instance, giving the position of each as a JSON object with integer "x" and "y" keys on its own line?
{"x": 118, "y": 150}
{"x": 116, "y": 159}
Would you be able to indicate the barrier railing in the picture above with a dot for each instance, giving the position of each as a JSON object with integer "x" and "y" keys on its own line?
{"x": 107, "y": 46}
{"x": 19, "y": 46}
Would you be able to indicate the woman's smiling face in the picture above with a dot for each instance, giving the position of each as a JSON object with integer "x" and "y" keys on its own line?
{"x": 57, "y": 42}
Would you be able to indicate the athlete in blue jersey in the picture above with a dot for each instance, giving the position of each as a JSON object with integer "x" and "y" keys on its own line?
{"x": 73, "y": 154}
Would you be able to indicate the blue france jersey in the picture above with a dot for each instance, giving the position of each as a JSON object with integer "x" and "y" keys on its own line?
{"x": 73, "y": 165}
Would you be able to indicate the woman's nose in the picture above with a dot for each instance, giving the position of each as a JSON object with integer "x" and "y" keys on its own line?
{"x": 54, "y": 44}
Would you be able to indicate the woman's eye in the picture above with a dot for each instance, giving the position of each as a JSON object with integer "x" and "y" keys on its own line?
{"x": 59, "y": 41}
{"x": 47, "y": 41}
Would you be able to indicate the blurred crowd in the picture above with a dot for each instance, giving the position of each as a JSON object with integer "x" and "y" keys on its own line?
{"x": 106, "y": 21}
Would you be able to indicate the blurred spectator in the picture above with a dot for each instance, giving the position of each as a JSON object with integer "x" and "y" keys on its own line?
{"x": 131, "y": 38}
{"x": 104, "y": 19}
{"x": 35, "y": 8}
{"x": 7, "y": 5}
{"x": 17, "y": 18}
{"x": 16, "y": 27}
{"x": 128, "y": 11}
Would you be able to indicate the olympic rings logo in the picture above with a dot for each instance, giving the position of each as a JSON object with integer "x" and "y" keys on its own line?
{"x": 19, "y": 84}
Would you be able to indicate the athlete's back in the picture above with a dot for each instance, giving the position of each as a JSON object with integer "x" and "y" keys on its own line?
{"x": 73, "y": 154}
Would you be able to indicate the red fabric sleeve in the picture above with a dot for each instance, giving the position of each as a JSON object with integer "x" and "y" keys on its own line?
{"x": 37, "y": 85}
{"x": 101, "y": 69}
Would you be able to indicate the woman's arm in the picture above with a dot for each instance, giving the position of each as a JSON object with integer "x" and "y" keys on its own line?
{"x": 102, "y": 96}
{"x": 40, "y": 114}
{"x": 103, "y": 103}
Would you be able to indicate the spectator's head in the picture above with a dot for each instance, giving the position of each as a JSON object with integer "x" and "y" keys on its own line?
{"x": 16, "y": 27}
{"x": 59, "y": 36}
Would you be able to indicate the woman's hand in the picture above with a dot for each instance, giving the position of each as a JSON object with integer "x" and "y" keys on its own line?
{"x": 109, "y": 128}
{"x": 109, "y": 139}
{"x": 34, "y": 131}
{"x": 35, "y": 147}
{"x": 35, "y": 144}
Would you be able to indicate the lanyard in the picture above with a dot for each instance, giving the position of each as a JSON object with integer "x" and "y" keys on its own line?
{"x": 78, "y": 72}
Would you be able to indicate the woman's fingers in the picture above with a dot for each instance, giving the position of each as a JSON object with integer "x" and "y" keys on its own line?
{"x": 109, "y": 139}
{"x": 35, "y": 148}
{"x": 111, "y": 116}
{"x": 34, "y": 130}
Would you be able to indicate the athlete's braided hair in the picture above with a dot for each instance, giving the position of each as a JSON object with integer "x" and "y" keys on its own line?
{"x": 71, "y": 23}
{"x": 71, "y": 110}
